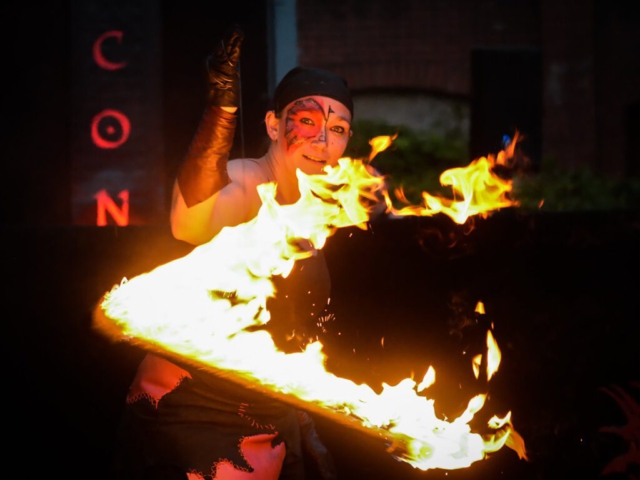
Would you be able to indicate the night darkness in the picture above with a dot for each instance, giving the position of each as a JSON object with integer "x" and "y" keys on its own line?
{"x": 559, "y": 289}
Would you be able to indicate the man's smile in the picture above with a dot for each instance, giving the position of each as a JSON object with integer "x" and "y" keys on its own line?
{"x": 315, "y": 159}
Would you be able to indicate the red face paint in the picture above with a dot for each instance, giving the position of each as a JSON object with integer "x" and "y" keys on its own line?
{"x": 305, "y": 120}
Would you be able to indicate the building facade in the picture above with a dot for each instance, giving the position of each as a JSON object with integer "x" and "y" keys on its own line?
{"x": 576, "y": 68}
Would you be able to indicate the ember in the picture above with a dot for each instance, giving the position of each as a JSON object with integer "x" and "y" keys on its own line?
{"x": 204, "y": 307}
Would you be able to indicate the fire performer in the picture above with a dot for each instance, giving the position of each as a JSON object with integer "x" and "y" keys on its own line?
{"x": 181, "y": 422}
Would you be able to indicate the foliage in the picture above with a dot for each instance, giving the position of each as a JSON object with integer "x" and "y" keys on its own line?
{"x": 415, "y": 161}
{"x": 562, "y": 190}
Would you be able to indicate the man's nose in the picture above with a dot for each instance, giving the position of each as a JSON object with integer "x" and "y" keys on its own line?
{"x": 320, "y": 141}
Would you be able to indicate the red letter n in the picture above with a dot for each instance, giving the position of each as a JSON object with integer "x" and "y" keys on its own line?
{"x": 106, "y": 204}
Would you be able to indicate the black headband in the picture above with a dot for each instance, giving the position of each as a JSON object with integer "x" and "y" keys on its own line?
{"x": 304, "y": 82}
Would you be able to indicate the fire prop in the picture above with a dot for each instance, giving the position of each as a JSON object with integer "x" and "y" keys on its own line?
{"x": 202, "y": 307}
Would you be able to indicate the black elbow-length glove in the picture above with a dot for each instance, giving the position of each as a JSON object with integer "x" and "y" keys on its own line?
{"x": 204, "y": 169}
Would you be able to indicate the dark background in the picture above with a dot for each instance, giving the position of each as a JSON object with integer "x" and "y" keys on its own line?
{"x": 560, "y": 290}
{"x": 36, "y": 99}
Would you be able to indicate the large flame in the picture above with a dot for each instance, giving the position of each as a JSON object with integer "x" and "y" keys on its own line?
{"x": 202, "y": 307}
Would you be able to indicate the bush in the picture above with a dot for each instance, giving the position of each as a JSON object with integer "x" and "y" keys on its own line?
{"x": 415, "y": 161}
{"x": 581, "y": 190}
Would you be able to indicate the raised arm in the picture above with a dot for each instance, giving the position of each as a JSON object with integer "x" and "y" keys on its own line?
{"x": 203, "y": 188}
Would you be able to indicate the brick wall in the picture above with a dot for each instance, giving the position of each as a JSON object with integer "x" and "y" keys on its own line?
{"x": 426, "y": 46}
{"x": 410, "y": 44}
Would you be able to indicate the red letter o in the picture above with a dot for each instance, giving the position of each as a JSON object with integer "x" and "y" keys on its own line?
{"x": 102, "y": 142}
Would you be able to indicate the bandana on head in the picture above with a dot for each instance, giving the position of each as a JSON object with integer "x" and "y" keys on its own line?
{"x": 304, "y": 82}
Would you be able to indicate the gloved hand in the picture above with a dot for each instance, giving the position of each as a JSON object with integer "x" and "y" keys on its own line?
{"x": 204, "y": 169}
{"x": 223, "y": 69}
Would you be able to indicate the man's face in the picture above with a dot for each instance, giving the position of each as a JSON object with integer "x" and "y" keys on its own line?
{"x": 316, "y": 132}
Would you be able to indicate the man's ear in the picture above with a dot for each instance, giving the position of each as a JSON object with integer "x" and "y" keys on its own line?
{"x": 272, "y": 123}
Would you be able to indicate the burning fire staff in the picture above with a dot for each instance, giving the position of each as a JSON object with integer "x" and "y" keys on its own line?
{"x": 180, "y": 422}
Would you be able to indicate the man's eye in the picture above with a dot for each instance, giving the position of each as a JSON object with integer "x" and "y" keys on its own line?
{"x": 338, "y": 129}
{"x": 306, "y": 121}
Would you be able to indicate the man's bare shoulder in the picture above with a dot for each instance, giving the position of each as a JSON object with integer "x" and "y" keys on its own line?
{"x": 247, "y": 171}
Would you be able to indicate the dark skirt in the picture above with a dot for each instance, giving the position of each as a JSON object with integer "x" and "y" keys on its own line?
{"x": 204, "y": 424}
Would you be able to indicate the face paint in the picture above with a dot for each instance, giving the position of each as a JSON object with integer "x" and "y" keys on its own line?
{"x": 305, "y": 120}
{"x": 313, "y": 133}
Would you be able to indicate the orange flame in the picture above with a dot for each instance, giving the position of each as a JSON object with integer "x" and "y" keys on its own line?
{"x": 477, "y": 190}
{"x": 379, "y": 144}
{"x": 201, "y": 307}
